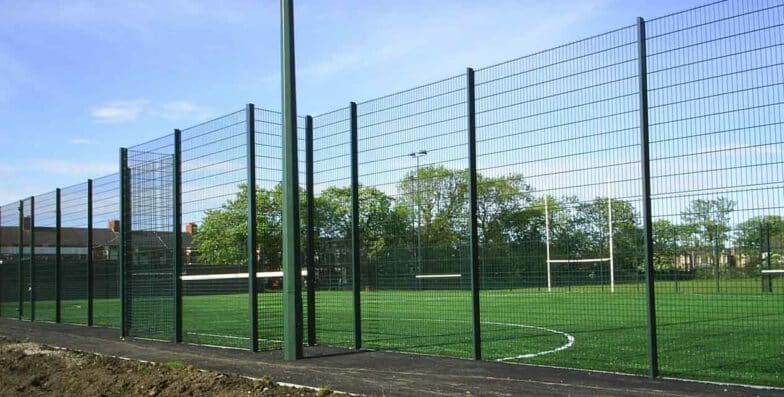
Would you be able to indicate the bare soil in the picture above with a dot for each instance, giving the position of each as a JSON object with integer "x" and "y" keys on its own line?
{"x": 31, "y": 369}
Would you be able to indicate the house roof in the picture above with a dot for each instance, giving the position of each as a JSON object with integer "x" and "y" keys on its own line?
{"x": 75, "y": 237}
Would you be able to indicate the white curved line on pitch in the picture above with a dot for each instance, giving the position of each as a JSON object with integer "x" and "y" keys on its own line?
{"x": 568, "y": 344}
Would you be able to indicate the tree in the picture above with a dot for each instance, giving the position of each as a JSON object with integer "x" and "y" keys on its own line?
{"x": 222, "y": 236}
{"x": 504, "y": 209}
{"x": 753, "y": 235}
{"x": 384, "y": 228}
{"x": 708, "y": 222}
{"x": 381, "y": 223}
{"x": 438, "y": 196}
{"x": 668, "y": 242}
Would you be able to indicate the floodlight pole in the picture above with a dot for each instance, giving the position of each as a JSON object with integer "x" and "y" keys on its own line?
{"x": 292, "y": 284}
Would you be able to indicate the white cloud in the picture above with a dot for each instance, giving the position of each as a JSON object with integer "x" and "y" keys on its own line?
{"x": 81, "y": 141}
{"x": 123, "y": 111}
{"x": 119, "y": 111}
{"x": 179, "y": 110}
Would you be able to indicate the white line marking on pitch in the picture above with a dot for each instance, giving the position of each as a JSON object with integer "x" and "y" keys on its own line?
{"x": 568, "y": 344}
{"x": 569, "y": 337}
{"x": 231, "y": 337}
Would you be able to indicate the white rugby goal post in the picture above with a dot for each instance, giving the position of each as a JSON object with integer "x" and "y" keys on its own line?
{"x": 609, "y": 259}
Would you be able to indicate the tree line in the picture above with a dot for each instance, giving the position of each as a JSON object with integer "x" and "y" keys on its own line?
{"x": 424, "y": 227}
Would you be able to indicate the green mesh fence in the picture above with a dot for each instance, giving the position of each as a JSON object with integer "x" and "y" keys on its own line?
{"x": 9, "y": 260}
{"x": 105, "y": 251}
{"x": 150, "y": 246}
{"x": 559, "y": 194}
{"x": 215, "y": 231}
{"x": 43, "y": 266}
{"x": 561, "y": 259}
{"x": 413, "y": 203}
{"x": 269, "y": 201}
{"x": 73, "y": 251}
{"x": 332, "y": 192}
{"x": 716, "y": 89}
{"x": 26, "y": 295}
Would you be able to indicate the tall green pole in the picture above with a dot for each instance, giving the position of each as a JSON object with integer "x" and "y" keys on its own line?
{"x": 90, "y": 264}
{"x": 292, "y": 287}
{"x": 31, "y": 264}
{"x": 58, "y": 262}
{"x": 125, "y": 228}
{"x": 253, "y": 258}
{"x": 19, "y": 268}
{"x": 473, "y": 211}
{"x": 356, "y": 244}
{"x": 647, "y": 215}
{"x": 177, "y": 231}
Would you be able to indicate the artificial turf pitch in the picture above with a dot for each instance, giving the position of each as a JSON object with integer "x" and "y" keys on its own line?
{"x": 731, "y": 336}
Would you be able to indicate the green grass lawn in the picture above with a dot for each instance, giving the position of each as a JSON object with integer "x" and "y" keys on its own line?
{"x": 736, "y": 335}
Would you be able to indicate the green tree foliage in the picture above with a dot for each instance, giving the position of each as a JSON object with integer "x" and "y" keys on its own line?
{"x": 669, "y": 240}
{"x": 438, "y": 198}
{"x": 381, "y": 223}
{"x": 708, "y": 224}
{"x": 761, "y": 234}
{"x": 434, "y": 201}
{"x": 222, "y": 236}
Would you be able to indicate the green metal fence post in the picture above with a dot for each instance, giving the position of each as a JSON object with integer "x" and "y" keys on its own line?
{"x": 653, "y": 358}
{"x": 124, "y": 229}
{"x": 90, "y": 264}
{"x": 19, "y": 267}
{"x": 177, "y": 230}
{"x": 292, "y": 273}
{"x": 253, "y": 299}
{"x": 58, "y": 263}
{"x": 31, "y": 264}
{"x": 355, "y": 241}
{"x": 310, "y": 247}
{"x": 474, "y": 243}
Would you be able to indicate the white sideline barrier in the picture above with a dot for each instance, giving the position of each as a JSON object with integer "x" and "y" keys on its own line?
{"x": 772, "y": 271}
{"x": 229, "y": 276}
{"x": 438, "y": 276}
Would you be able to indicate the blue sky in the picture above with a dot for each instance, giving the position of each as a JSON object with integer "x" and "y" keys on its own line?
{"x": 79, "y": 79}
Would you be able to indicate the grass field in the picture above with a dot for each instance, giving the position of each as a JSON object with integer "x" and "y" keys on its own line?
{"x": 734, "y": 336}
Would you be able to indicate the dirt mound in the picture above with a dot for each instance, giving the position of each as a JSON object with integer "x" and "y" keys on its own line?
{"x": 30, "y": 369}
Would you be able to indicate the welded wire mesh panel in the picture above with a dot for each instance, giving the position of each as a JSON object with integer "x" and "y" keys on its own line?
{"x": 215, "y": 231}
{"x": 269, "y": 202}
{"x": 26, "y": 263}
{"x": 332, "y": 207}
{"x": 301, "y": 175}
{"x": 150, "y": 245}
{"x": 105, "y": 251}
{"x": 414, "y": 220}
{"x": 43, "y": 267}
{"x": 558, "y": 158}
{"x": 716, "y": 89}
{"x": 9, "y": 260}
{"x": 74, "y": 251}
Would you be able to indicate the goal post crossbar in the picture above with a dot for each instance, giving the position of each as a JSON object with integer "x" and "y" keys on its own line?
{"x": 610, "y": 243}
{"x": 579, "y": 260}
